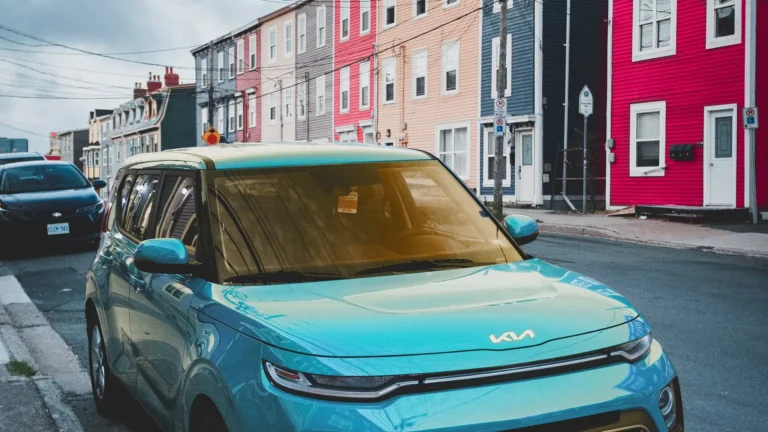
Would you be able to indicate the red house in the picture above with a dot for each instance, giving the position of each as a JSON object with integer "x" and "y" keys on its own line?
{"x": 248, "y": 81}
{"x": 353, "y": 38}
{"x": 680, "y": 73}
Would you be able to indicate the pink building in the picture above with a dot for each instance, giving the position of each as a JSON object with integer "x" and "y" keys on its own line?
{"x": 354, "y": 36}
{"x": 680, "y": 73}
{"x": 248, "y": 47}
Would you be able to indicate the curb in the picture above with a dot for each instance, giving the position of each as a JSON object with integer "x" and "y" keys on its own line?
{"x": 588, "y": 231}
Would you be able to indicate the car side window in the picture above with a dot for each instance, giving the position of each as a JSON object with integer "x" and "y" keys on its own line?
{"x": 179, "y": 212}
{"x": 138, "y": 211}
{"x": 125, "y": 193}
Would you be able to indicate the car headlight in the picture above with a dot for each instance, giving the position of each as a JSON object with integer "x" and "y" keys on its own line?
{"x": 336, "y": 387}
{"x": 92, "y": 208}
{"x": 670, "y": 405}
{"x": 634, "y": 350}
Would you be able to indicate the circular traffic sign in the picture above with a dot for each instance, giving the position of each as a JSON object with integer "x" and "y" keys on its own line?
{"x": 750, "y": 112}
{"x": 211, "y": 139}
{"x": 500, "y": 122}
{"x": 500, "y": 102}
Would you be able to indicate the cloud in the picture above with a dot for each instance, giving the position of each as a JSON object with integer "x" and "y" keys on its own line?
{"x": 100, "y": 26}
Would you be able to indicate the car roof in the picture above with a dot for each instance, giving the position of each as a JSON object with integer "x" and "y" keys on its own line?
{"x": 42, "y": 162}
{"x": 21, "y": 155}
{"x": 270, "y": 155}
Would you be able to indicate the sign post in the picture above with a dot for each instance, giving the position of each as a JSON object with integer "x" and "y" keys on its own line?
{"x": 751, "y": 124}
{"x": 500, "y": 129}
{"x": 586, "y": 107}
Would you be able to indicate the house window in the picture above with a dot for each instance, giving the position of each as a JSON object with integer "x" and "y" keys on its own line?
{"x": 252, "y": 52}
{"x": 389, "y": 80}
{"x": 348, "y": 136}
{"x": 220, "y": 118}
{"x": 647, "y": 139}
{"x": 204, "y": 72}
{"x": 240, "y": 56}
{"x": 489, "y": 150}
{"x": 344, "y": 89}
{"x": 495, "y": 66}
{"x": 365, "y": 85}
{"x": 252, "y": 111}
{"x": 365, "y": 16}
{"x": 320, "y": 98}
{"x": 453, "y": 148}
{"x": 419, "y": 8}
{"x": 273, "y": 107}
{"x": 288, "y": 32}
{"x": 272, "y": 44}
{"x": 320, "y": 42}
{"x": 231, "y": 53}
{"x": 204, "y": 119}
{"x": 654, "y": 28}
{"x": 231, "y": 112}
{"x": 220, "y": 66}
{"x": 301, "y": 106}
{"x": 239, "y": 114}
{"x": 288, "y": 103}
{"x": 451, "y": 67}
{"x": 496, "y": 6}
{"x": 723, "y": 23}
{"x": 344, "y": 22}
{"x": 302, "y": 33}
{"x": 420, "y": 74}
{"x": 390, "y": 7}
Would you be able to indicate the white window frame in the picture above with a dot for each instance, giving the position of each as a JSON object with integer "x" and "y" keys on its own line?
{"x": 414, "y": 73}
{"x": 272, "y": 108}
{"x": 240, "y": 56}
{"x": 252, "y": 52}
{"x": 670, "y": 50}
{"x": 365, "y": 6}
{"x": 387, "y": 63}
{"x": 301, "y": 100}
{"x": 231, "y": 116}
{"x": 344, "y": 80}
{"x": 239, "y": 114}
{"x": 204, "y": 72}
{"x": 344, "y": 9}
{"x": 252, "y": 110}
{"x": 389, "y": 4}
{"x": 272, "y": 34}
{"x": 364, "y": 85}
{"x": 220, "y": 118}
{"x": 495, "y": 46}
{"x": 301, "y": 38}
{"x": 419, "y": 16}
{"x": 458, "y": 125}
{"x": 496, "y": 7}
{"x": 487, "y": 169}
{"x": 717, "y": 42}
{"x": 220, "y": 66}
{"x": 447, "y": 46}
{"x": 231, "y": 61}
{"x": 288, "y": 39}
{"x": 321, "y": 24}
{"x": 634, "y": 110}
{"x": 320, "y": 93}
{"x": 204, "y": 118}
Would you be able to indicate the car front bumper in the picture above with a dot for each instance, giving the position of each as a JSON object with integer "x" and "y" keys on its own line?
{"x": 614, "y": 397}
{"x": 32, "y": 229}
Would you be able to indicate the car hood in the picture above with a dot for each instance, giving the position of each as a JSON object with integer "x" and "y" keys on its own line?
{"x": 498, "y": 307}
{"x": 60, "y": 200}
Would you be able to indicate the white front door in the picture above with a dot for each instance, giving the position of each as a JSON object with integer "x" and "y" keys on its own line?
{"x": 489, "y": 168}
{"x": 525, "y": 180}
{"x": 720, "y": 158}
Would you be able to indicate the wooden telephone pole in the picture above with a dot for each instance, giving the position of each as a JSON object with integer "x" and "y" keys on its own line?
{"x": 501, "y": 88}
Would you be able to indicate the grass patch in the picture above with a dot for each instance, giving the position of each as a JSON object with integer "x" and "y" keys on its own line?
{"x": 21, "y": 368}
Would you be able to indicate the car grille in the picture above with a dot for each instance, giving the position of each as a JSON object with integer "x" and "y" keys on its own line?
{"x": 614, "y": 421}
{"x": 32, "y": 227}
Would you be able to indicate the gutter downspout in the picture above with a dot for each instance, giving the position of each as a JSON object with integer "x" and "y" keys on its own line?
{"x": 402, "y": 99}
{"x": 609, "y": 107}
{"x": 280, "y": 107}
{"x": 538, "y": 195}
{"x": 375, "y": 100}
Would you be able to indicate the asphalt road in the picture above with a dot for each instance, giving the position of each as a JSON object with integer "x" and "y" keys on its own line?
{"x": 707, "y": 311}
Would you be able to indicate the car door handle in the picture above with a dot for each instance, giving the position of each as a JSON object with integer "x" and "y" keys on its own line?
{"x": 137, "y": 284}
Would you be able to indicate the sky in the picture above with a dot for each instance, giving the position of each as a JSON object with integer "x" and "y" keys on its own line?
{"x": 100, "y": 26}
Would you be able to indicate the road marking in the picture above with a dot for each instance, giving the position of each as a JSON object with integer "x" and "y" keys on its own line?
{"x": 11, "y": 291}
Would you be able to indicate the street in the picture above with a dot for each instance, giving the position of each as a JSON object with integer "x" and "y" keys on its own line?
{"x": 706, "y": 310}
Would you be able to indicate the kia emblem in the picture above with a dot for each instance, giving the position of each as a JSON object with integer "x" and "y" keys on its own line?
{"x": 57, "y": 215}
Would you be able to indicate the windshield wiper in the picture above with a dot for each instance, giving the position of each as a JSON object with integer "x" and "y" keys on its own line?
{"x": 283, "y": 276}
{"x": 417, "y": 265}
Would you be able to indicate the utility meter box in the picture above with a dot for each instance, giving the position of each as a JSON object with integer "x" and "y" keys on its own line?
{"x": 681, "y": 152}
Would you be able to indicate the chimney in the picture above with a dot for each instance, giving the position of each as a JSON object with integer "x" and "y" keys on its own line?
{"x": 153, "y": 83}
{"x": 138, "y": 92}
{"x": 171, "y": 79}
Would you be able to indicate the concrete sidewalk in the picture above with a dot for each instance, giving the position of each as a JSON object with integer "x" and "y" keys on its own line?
{"x": 655, "y": 232}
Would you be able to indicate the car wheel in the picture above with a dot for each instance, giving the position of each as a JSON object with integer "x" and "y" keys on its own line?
{"x": 103, "y": 383}
{"x": 211, "y": 422}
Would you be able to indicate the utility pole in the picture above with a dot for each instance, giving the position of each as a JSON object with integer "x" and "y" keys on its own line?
{"x": 306, "y": 101}
{"x": 209, "y": 74}
{"x": 566, "y": 104}
{"x": 501, "y": 89}
{"x": 280, "y": 107}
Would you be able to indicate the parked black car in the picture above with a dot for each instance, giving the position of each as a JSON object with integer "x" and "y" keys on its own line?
{"x": 7, "y": 158}
{"x": 47, "y": 202}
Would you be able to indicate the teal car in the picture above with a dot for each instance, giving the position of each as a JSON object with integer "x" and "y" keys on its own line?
{"x": 329, "y": 287}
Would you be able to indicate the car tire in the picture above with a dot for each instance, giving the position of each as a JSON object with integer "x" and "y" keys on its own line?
{"x": 104, "y": 385}
{"x": 210, "y": 422}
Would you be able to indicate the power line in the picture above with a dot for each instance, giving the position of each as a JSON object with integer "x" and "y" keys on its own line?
{"x": 22, "y": 43}
{"x": 61, "y": 76}
{"x": 116, "y": 53}
{"x": 23, "y": 130}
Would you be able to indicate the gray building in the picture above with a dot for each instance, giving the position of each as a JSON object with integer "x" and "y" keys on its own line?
{"x": 216, "y": 75}
{"x": 13, "y": 145}
{"x": 71, "y": 144}
{"x": 312, "y": 61}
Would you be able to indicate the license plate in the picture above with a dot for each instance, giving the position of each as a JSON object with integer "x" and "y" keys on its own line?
{"x": 58, "y": 229}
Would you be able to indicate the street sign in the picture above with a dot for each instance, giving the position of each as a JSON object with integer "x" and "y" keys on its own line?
{"x": 586, "y": 102}
{"x": 500, "y": 107}
{"x": 501, "y": 126}
{"x": 750, "y": 118}
{"x": 211, "y": 136}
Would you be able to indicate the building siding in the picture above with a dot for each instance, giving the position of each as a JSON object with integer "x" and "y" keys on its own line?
{"x": 247, "y": 83}
{"x": 276, "y": 75}
{"x": 761, "y": 79}
{"x": 349, "y": 53}
{"x": 223, "y": 91}
{"x": 688, "y": 81}
{"x": 313, "y": 63}
{"x": 176, "y": 127}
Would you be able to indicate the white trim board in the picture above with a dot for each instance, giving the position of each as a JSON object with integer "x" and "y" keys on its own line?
{"x": 708, "y": 110}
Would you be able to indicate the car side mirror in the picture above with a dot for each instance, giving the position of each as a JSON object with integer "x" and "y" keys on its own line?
{"x": 163, "y": 256}
{"x": 99, "y": 184}
{"x": 522, "y": 228}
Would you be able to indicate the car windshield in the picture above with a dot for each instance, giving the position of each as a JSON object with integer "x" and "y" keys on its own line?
{"x": 37, "y": 178}
{"x": 340, "y": 221}
{"x": 6, "y": 161}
